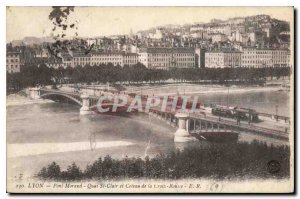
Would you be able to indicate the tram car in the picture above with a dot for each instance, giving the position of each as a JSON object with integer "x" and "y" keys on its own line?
{"x": 236, "y": 112}
{"x": 223, "y": 111}
{"x": 246, "y": 114}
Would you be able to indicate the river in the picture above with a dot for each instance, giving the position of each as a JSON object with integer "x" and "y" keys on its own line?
{"x": 38, "y": 134}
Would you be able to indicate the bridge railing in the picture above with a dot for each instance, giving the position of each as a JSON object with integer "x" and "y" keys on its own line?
{"x": 233, "y": 124}
{"x": 277, "y": 117}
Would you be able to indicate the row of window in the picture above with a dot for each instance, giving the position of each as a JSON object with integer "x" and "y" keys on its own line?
{"x": 93, "y": 63}
{"x": 244, "y": 61}
{"x": 169, "y": 54}
{"x": 110, "y": 55}
{"x": 264, "y": 56}
{"x": 169, "y": 65}
{"x": 103, "y": 59}
{"x": 168, "y": 59}
{"x": 130, "y": 61}
{"x": 222, "y": 57}
{"x": 95, "y": 59}
{"x": 253, "y": 57}
{"x": 12, "y": 55}
{"x": 257, "y": 61}
{"x": 13, "y": 66}
{"x": 261, "y": 66}
{"x": 265, "y": 52}
{"x": 12, "y": 60}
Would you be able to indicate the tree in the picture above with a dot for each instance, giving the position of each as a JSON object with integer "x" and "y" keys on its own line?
{"x": 73, "y": 172}
{"x": 53, "y": 171}
{"x": 43, "y": 174}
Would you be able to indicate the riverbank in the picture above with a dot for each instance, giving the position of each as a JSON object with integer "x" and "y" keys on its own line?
{"x": 178, "y": 89}
{"x": 18, "y": 100}
{"x": 189, "y": 89}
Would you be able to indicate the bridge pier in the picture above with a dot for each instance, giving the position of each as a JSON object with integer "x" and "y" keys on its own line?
{"x": 85, "y": 109}
{"x": 34, "y": 93}
{"x": 182, "y": 133}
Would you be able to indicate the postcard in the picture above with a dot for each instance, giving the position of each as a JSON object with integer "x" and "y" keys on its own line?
{"x": 150, "y": 99}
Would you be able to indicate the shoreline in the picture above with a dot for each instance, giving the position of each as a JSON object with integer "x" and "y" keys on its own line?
{"x": 179, "y": 89}
{"x": 18, "y": 100}
{"x": 196, "y": 89}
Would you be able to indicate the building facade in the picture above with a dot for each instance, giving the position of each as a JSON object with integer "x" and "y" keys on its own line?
{"x": 166, "y": 58}
{"x": 222, "y": 58}
{"x": 13, "y": 62}
{"x": 218, "y": 37}
{"x": 98, "y": 58}
{"x": 130, "y": 59}
{"x": 55, "y": 63}
{"x": 81, "y": 59}
{"x": 260, "y": 58}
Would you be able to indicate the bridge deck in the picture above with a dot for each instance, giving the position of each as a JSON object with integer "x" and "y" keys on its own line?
{"x": 245, "y": 127}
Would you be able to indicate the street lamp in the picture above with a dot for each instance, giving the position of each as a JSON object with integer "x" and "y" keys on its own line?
{"x": 276, "y": 113}
{"x": 249, "y": 116}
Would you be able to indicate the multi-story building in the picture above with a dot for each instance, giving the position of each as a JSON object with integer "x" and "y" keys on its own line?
{"x": 264, "y": 57}
{"x": 166, "y": 58}
{"x": 42, "y": 52}
{"x": 222, "y": 58}
{"x": 143, "y": 57}
{"x": 289, "y": 60}
{"x": 97, "y": 58}
{"x": 212, "y": 28}
{"x": 130, "y": 59}
{"x": 218, "y": 37}
{"x": 106, "y": 57}
{"x": 55, "y": 63}
{"x": 280, "y": 57}
{"x": 67, "y": 60}
{"x": 257, "y": 37}
{"x": 13, "y": 62}
{"x": 81, "y": 59}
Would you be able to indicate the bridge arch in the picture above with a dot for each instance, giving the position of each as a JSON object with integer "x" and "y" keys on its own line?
{"x": 61, "y": 94}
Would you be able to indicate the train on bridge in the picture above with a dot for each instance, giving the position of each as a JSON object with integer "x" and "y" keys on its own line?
{"x": 236, "y": 113}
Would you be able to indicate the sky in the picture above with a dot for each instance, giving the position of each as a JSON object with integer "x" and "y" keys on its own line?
{"x": 104, "y": 21}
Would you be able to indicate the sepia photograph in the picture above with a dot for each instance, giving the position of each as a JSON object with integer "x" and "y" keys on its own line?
{"x": 169, "y": 99}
